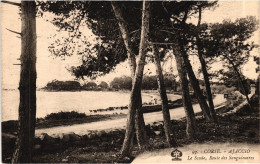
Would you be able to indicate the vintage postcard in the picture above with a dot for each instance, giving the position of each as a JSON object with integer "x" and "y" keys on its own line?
{"x": 130, "y": 81}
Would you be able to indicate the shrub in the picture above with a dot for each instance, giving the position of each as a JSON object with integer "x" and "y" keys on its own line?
{"x": 65, "y": 115}
{"x": 222, "y": 89}
{"x": 63, "y": 85}
{"x": 89, "y": 86}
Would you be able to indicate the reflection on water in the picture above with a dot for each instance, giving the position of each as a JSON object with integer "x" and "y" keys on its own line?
{"x": 51, "y": 102}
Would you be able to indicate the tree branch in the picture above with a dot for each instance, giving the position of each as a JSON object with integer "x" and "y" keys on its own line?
{"x": 14, "y": 31}
{"x": 176, "y": 19}
{"x": 164, "y": 7}
{"x": 134, "y": 31}
{"x": 185, "y": 16}
{"x": 169, "y": 31}
{"x": 12, "y": 3}
{"x": 161, "y": 43}
{"x": 199, "y": 17}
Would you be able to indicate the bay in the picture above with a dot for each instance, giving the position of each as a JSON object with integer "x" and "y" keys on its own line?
{"x": 80, "y": 101}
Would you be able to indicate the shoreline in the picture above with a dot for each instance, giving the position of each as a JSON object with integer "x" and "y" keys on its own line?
{"x": 83, "y": 102}
{"x": 118, "y": 112}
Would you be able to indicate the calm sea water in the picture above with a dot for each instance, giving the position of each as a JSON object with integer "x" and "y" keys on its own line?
{"x": 51, "y": 102}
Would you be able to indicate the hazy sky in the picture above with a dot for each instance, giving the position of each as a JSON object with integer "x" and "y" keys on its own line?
{"x": 49, "y": 68}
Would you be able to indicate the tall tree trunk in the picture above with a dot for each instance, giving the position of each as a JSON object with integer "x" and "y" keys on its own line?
{"x": 207, "y": 84}
{"x": 27, "y": 85}
{"x": 141, "y": 135}
{"x": 204, "y": 71}
{"x": 137, "y": 83}
{"x": 195, "y": 84}
{"x": 187, "y": 103}
{"x": 139, "y": 118}
{"x": 165, "y": 108}
{"x": 240, "y": 80}
{"x": 125, "y": 35}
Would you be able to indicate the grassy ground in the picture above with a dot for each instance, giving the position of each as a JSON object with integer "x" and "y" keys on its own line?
{"x": 241, "y": 127}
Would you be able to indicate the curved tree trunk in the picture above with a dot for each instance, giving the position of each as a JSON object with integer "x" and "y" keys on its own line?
{"x": 139, "y": 119}
{"x": 27, "y": 85}
{"x": 137, "y": 83}
{"x": 195, "y": 85}
{"x": 190, "y": 117}
{"x": 125, "y": 35}
{"x": 240, "y": 80}
{"x": 165, "y": 109}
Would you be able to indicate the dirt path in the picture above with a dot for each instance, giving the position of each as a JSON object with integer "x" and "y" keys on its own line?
{"x": 108, "y": 125}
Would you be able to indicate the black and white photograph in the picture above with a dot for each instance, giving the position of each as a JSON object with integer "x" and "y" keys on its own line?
{"x": 92, "y": 81}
